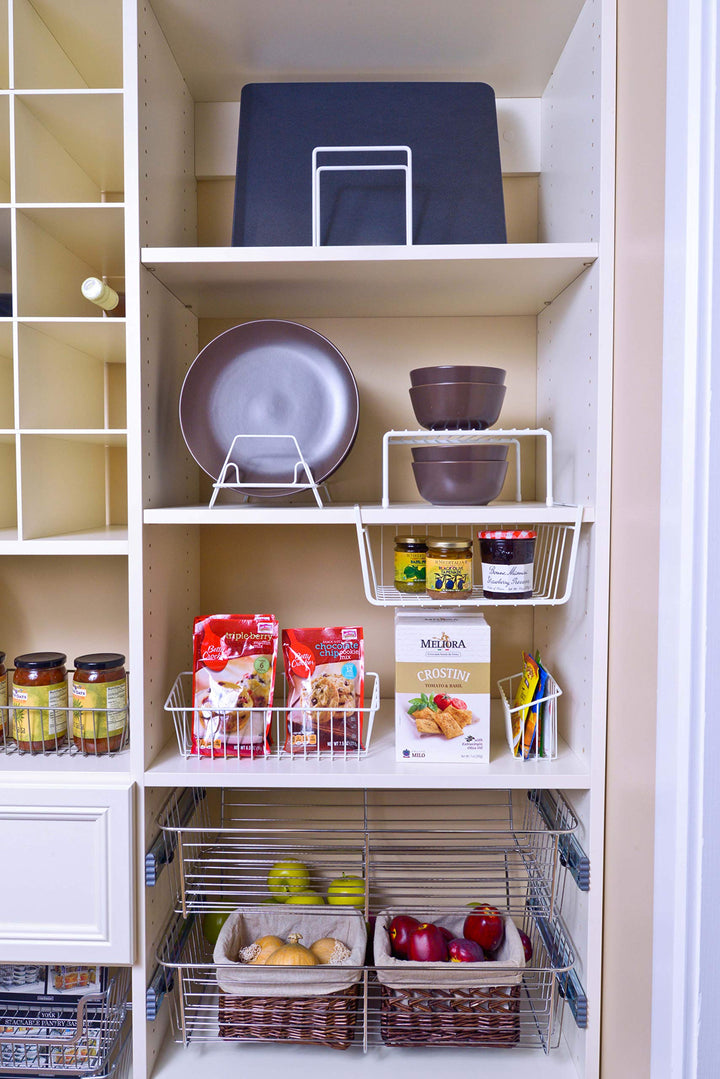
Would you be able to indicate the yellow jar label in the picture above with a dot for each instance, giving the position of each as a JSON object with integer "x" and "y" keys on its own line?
{"x": 410, "y": 567}
{"x": 449, "y": 574}
{"x": 100, "y": 708}
{"x": 39, "y": 713}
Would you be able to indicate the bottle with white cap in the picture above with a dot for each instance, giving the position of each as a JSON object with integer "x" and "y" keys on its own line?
{"x": 100, "y": 293}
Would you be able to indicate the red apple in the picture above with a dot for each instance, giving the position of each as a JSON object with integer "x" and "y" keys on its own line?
{"x": 462, "y": 950}
{"x": 399, "y": 930}
{"x": 446, "y": 933}
{"x": 427, "y": 945}
{"x": 486, "y": 927}
{"x": 527, "y": 945}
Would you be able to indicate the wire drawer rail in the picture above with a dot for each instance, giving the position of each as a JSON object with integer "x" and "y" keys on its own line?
{"x": 41, "y": 1039}
{"x": 445, "y": 849}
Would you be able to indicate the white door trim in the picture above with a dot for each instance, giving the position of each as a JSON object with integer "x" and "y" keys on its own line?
{"x": 682, "y": 1030}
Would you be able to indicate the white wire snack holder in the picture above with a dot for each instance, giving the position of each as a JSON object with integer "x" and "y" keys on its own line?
{"x": 545, "y": 742}
{"x": 300, "y": 725}
{"x": 87, "y": 1040}
{"x": 94, "y": 738}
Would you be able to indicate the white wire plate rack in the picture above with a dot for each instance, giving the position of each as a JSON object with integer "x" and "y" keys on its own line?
{"x": 87, "y": 1040}
{"x": 531, "y": 1012}
{"x": 556, "y": 550}
{"x": 94, "y": 720}
{"x": 545, "y": 746}
{"x": 300, "y": 748}
{"x": 427, "y": 848}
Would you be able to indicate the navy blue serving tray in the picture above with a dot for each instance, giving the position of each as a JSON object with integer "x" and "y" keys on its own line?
{"x": 451, "y": 129}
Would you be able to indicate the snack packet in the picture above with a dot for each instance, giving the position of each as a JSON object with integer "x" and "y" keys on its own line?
{"x": 533, "y": 735}
{"x": 234, "y": 661}
{"x": 325, "y": 672}
{"x": 523, "y": 698}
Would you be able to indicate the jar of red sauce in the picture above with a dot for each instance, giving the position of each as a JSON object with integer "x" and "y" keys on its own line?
{"x": 100, "y": 714}
{"x": 40, "y": 701}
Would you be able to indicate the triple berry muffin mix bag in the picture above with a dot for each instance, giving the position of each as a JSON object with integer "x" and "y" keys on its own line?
{"x": 325, "y": 673}
{"x": 234, "y": 662}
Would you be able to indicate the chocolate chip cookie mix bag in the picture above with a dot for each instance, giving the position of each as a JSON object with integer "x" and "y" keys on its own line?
{"x": 234, "y": 662}
{"x": 325, "y": 671}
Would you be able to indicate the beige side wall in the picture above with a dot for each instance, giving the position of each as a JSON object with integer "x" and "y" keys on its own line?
{"x": 635, "y": 517}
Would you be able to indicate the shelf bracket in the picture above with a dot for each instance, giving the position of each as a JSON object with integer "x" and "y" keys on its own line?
{"x": 162, "y": 850}
{"x": 572, "y": 855}
{"x": 569, "y": 985}
{"x": 162, "y": 981}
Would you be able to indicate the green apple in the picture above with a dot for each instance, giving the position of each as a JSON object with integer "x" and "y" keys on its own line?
{"x": 287, "y": 878}
{"x": 347, "y": 891}
{"x": 212, "y": 923}
{"x": 309, "y": 898}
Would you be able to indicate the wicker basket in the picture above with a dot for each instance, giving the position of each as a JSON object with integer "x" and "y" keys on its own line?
{"x": 450, "y": 1003}
{"x": 321, "y": 1020}
{"x": 489, "y": 1017}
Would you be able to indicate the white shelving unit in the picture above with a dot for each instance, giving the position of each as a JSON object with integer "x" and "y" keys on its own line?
{"x": 121, "y": 102}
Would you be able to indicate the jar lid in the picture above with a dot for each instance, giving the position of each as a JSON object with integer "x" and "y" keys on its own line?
{"x": 412, "y": 541}
{"x": 508, "y": 535}
{"x": 99, "y": 661}
{"x": 40, "y": 661}
{"x": 442, "y": 544}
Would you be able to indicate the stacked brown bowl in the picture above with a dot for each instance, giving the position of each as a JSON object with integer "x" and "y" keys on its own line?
{"x": 458, "y": 398}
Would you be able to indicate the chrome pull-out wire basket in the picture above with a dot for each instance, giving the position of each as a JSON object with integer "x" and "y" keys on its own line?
{"x": 445, "y": 848}
{"x": 83, "y": 1039}
{"x": 528, "y": 1014}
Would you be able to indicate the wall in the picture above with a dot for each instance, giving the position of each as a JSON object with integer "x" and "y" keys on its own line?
{"x": 634, "y": 556}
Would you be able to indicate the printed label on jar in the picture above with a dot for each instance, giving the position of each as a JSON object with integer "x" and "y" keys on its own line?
{"x": 410, "y": 567}
{"x": 100, "y": 709}
{"x": 449, "y": 574}
{"x": 38, "y": 713}
{"x": 508, "y": 579}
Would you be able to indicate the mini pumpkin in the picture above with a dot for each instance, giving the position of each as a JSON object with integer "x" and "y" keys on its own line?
{"x": 293, "y": 954}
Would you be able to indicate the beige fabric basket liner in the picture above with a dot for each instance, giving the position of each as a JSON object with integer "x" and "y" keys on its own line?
{"x": 247, "y": 924}
{"x": 506, "y": 970}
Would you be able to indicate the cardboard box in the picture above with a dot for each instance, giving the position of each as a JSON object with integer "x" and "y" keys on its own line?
{"x": 442, "y": 686}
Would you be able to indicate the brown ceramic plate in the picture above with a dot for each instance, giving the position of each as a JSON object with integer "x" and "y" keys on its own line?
{"x": 269, "y": 377}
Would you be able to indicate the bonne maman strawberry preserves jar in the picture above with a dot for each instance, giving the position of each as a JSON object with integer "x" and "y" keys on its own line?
{"x": 507, "y": 564}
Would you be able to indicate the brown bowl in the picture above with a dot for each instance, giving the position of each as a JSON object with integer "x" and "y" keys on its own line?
{"x": 458, "y": 372}
{"x": 457, "y": 406}
{"x": 467, "y": 451}
{"x": 459, "y": 483}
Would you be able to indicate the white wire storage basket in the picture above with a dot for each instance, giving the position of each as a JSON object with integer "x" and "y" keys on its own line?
{"x": 441, "y": 848}
{"x": 102, "y": 731}
{"x": 544, "y": 744}
{"x": 556, "y": 548}
{"x": 341, "y": 725}
{"x": 87, "y": 1038}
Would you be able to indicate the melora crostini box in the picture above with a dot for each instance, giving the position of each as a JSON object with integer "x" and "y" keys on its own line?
{"x": 442, "y": 686}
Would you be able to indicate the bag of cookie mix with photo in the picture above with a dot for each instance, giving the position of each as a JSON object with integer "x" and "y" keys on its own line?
{"x": 325, "y": 672}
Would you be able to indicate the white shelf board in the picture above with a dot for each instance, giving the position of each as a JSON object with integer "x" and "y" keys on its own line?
{"x": 463, "y": 279}
{"x": 513, "y": 45}
{"x": 61, "y": 768}
{"x": 415, "y": 513}
{"x": 378, "y": 769}
{"x": 223, "y": 1061}
{"x": 112, "y": 540}
{"x": 101, "y": 338}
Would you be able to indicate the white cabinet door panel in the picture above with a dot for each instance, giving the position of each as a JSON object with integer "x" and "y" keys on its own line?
{"x": 67, "y": 892}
